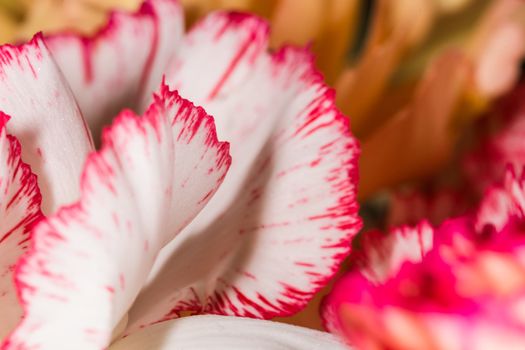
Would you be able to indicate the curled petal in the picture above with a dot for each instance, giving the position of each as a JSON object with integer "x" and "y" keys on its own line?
{"x": 121, "y": 64}
{"x": 20, "y": 208}
{"x": 223, "y": 332}
{"x": 89, "y": 261}
{"x": 45, "y": 118}
{"x": 290, "y": 197}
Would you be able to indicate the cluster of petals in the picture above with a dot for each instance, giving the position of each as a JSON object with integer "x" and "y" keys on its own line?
{"x": 110, "y": 247}
{"x": 458, "y": 286}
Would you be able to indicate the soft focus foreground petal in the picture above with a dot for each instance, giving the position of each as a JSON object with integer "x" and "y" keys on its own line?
{"x": 420, "y": 137}
{"x": 45, "y": 118}
{"x": 20, "y": 208}
{"x": 225, "y": 332}
{"x": 152, "y": 176}
{"x": 121, "y": 64}
{"x": 282, "y": 222}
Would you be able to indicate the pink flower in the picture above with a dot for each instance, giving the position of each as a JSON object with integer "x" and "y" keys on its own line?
{"x": 459, "y": 286}
{"x": 166, "y": 220}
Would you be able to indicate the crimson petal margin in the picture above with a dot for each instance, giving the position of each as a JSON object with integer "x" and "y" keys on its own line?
{"x": 45, "y": 119}
{"x": 89, "y": 260}
{"x": 123, "y": 64}
{"x": 282, "y": 222}
{"x": 20, "y": 208}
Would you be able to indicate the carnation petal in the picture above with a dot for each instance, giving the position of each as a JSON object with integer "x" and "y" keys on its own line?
{"x": 122, "y": 63}
{"x": 89, "y": 261}
{"x": 45, "y": 119}
{"x": 223, "y": 332}
{"x": 20, "y": 206}
{"x": 384, "y": 254}
{"x": 281, "y": 223}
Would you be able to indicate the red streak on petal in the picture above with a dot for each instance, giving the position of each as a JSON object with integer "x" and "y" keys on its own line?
{"x": 86, "y": 56}
{"x": 236, "y": 59}
{"x": 146, "y": 8}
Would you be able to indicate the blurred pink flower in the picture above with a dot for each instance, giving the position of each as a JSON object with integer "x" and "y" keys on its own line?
{"x": 458, "y": 286}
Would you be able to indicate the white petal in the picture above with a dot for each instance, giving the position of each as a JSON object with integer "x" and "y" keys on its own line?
{"x": 282, "y": 222}
{"x": 45, "y": 118}
{"x": 19, "y": 210}
{"x": 122, "y": 63}
{"x": 151, "y": 177}
{"x": 228, "y": 333}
